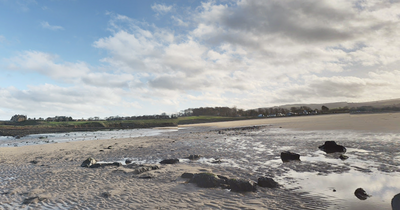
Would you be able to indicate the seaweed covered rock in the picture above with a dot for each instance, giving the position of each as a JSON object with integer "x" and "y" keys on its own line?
{"x": 332, "y": 147}
{"x": 289, "y": 156}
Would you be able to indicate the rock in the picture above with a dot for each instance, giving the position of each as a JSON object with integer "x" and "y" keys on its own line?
{"x": 205, "y": 180}
{"x": 343, "y": 157}
{"x": 170, "y": 161}
{"x": 187, "y": 175}
{"x": 106, "y": 195}
{"x": 194, "y": 157}
{"x": 128, "y": 161}
{"x": 88, "y": 162}
{"x": 267, "y": 182}
{"x": 396, "y": 202}
{"x": 331, "y": 147}
{"x": 34, "y": 162}
{"x": 142, "y": 169}
{"x": 109, "y": 147}
{"x": 118, "y": 164}
{"x": 222, "y": 177}
{"x": 361, "y": 194}
{"x": 33, "y": 200}
{"x": 218, "y": 161}
{"x": 289, "y": 156}
{"x": 145, "y": 177}
{"x": 240, "y": 185}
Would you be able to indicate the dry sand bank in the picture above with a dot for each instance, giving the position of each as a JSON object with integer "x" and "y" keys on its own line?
{"x": 58, "y": 179}
{"x": 386, "y": 122}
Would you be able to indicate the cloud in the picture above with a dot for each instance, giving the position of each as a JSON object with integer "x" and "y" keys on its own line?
{"x": 46, "y": 25}
{"x": 161, "y": 8}
{"x": 258, "y": 49}
{"x": 246, "y": 53}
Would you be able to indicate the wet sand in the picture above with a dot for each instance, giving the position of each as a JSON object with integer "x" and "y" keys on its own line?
{"x": 51, "y": 173}
{"x": 386, "y": 122}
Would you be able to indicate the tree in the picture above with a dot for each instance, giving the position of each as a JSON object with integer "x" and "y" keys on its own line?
{"x": 324, "y": 109}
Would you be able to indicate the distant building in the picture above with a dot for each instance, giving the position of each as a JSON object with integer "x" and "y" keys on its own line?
{"x": 18, "y": 118}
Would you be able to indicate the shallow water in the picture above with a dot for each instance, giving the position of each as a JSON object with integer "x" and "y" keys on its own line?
{"x": 8, "y": 141}
{"x": 373, "y": 162}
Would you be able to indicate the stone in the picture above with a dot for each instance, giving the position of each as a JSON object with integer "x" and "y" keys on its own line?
{"x": 33, "y": 200}
{"x": 361, "y": 194}
{"x": 343, "y": 157}
{"x": 88, "y": 162}
{"x": 34, "y": 162}
{"x": 118, "y": 164}
{"x": 332, "y": 147}
{"x": 106, "y": 195}
{"x": 396, "y": 202}
{"x": 240, "y": 185}
{"x": 217, "y": 161}
{"x": 267, "y": 182}
{"x": 142, "y": 169}
{"x": 205, "y": 180}
{"x": 194, "y": 157}
{"x": 144, "y": 177}
{"x": 187, "y": 175}
{"x": 128, "y": 161}
{"x": 289, "y": 156}
{"x": 169, "y": 161}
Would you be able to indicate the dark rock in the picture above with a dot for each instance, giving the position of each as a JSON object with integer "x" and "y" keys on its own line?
{"x": 170, "y": 161}
{"x": 396, "y": 202}
{"x": 218, "y": 161}
{"x": 187, "y": 175}
{"x": 109, "y": 147}
{"x": 194, "y": 157}
{"x": 142, "y": 169}
{"x": 205, "y": 180}
{"x": 101, "y": 150}
{"x": 33, "y": 200}
{"x": 88, "y": 162}
{"x": 128, "y": 161}
{"x": 361, "y": 194}
{"x": 289, "y": 156}
{"x": 117, "y": 164}
{"x": 343, "y": 157}
{"x": 34, "y": 162}
{"x": 267, "y": 182}
{"x": 240, "y": 185}
{"x": 106, "y": 195}
{"x": 145, "y": 177}
{"x": 331, "y": 147}
{"x": 222, "y": 177}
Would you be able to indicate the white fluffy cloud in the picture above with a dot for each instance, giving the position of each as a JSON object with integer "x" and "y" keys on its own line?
{"x": 46, "y": 25}
{"x": 161, "y": 8}
{"x": 246, "y": 53}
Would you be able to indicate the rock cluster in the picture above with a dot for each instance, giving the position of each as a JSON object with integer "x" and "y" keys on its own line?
{"x": 209, "y": 180}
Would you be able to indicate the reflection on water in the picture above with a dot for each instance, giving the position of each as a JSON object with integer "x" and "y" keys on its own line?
{"x": 373, "y": 162}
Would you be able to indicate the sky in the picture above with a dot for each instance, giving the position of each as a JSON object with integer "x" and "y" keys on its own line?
{"x": 107, "y": 58}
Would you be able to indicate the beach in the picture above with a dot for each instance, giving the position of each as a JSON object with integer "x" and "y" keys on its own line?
{"x": 51, "y": 175}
